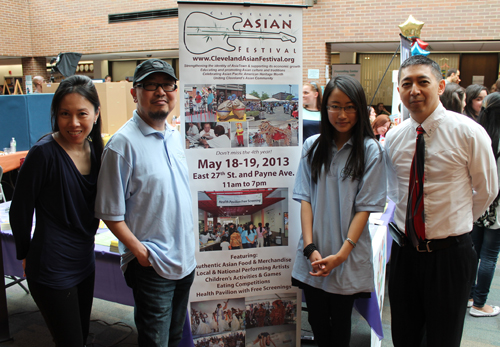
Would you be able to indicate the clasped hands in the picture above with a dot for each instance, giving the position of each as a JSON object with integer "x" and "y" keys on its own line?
{"x": 323, "y": 266}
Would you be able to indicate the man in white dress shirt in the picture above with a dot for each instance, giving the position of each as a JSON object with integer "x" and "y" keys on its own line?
{"x": 429, "y": 283}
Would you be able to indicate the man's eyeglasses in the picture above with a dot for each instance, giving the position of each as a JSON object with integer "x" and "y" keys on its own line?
{"x": 336, "y": 109}
{"x": 150, "y": 86}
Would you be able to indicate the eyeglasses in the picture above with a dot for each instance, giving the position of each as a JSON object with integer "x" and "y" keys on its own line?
{"x": 336, "y": 109}
{"x": 150, "y": 86}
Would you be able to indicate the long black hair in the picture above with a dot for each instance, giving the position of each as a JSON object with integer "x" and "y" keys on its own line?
{"x": 84, "y": 86}
{"x": 489, "y": 118}
{"x": 471, "y": 93}
{"x": 320, "y": 153}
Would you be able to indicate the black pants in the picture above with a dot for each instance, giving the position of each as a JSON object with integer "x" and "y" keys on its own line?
{"x": 428, "y": 293}
{"x": 66, "y": 312}
{"x": 329, "y": 316}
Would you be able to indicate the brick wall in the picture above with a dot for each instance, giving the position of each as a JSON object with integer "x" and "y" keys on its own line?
{"x": 16, "y": 28}
{"x": 35, "y": 66}
{"x": 65, "y": 26}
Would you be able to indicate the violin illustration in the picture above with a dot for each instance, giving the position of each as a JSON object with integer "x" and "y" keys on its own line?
{"x": 204, "y": 33}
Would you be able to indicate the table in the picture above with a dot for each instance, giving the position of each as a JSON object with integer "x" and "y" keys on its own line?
{"x": 11, "y": 161}
{"x": 211, "y": 246}
{"x": 110, "y": 284}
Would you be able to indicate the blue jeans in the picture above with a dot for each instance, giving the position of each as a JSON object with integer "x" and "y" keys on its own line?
{"x": 160, "y": 305}
{"x": 487, "y": 244}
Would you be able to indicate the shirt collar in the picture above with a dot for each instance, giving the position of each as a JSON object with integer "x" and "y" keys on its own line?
{"x": 432, "y": 122}
{"x": 147, "y": 129}
{"x": 349, "y": 142}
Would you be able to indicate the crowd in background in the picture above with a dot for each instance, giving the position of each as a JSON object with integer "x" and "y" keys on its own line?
{"x": 229, "y": 340}
{"x": 265, "y": 314}
{"x": 232, "y": 236}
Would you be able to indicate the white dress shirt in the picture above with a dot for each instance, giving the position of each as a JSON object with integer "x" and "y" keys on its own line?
{"x": 460, "y": 172}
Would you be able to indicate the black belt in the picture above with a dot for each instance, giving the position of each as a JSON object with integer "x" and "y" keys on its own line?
{"x": 435, "y": 245}
{"x": 428, "y": 245}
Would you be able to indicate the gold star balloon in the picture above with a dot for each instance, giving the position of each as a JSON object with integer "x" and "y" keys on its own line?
{"x": 411, "y": 28}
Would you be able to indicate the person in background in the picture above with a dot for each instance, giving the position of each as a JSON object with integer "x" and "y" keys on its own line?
{"x": 453, "y": 98}
{"x": 107, "y": 78}
{"x": 239, "y": 134}
{"x": 144, "y": 164}
{"x": 381, "y": 126}
{"x": 372, "y": 114}
{"x": 340, "y": 181}
{"x": 204, "y": 238}
{"x": 311, "y": 116}
{"x": 192, "y": 130}
{"x": 475, "y": 94}
{"x": 381, "y": 109}
{"x": 244, "y": 236}
{"x": 207, "y": 132}
{"x": 432, "y": 268}
{"x": 37, "y": 84}
{"x": 198, "y": 98}
{"x": 224, "y": 244}
{"x": 260, "y": 235}
{"x": 58, "y": 181}
{"x": 486, "y": 231}
{"x": 210, "y": 100}
{"x": 219, "y": 141}
{"x": 235, "y": 240}
{"x": 251, "y": 236}
{"x": 267, "y": 236}
{"x": 495, "y": 87}
{"x": 453, "y": 76}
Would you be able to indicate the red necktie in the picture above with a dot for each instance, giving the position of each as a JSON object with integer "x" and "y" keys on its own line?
{"x": 415, "y": 226}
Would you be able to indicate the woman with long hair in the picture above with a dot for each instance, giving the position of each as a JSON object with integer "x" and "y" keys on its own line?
{"x": 381, "y": 126}
{"x": 58, "y": 181}
{"x": 486, "y": 231}
{"x": 474, "y": 96}
{"x": 341, "y": 179}
{"x": 311, "y": 115}
{"x": 453, "y": 98}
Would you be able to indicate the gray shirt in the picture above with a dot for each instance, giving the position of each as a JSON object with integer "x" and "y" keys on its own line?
{"x": 144, "y": 182}
{"x": 334, "y": 203}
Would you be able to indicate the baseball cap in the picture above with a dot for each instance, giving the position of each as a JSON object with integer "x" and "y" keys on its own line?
{"x": 150, "y": 66}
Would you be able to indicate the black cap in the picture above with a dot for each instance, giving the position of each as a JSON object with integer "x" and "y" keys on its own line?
{"x": 150, "y": 66}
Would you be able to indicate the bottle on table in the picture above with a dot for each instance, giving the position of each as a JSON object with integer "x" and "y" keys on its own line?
{"x": 13, "y": 145}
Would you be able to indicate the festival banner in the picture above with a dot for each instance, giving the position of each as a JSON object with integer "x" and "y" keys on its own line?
{"x": 240, "y": 68}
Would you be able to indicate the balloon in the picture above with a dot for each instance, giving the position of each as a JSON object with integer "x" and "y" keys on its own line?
{"x": 422, "y": 44}
{"x": 416, "y": 50}
{"x": 411, "y": 28}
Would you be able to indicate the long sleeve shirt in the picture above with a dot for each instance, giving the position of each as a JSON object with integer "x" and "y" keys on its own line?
{"x": 61, "y": 253}
{"x": 460, "y": 172}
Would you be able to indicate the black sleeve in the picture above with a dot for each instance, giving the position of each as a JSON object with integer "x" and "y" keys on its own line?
{"x": 30, "y": 181}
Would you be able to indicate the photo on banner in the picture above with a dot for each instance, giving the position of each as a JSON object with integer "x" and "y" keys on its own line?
{"x": 235, "y": 230}
{"x": 240, "y": 70}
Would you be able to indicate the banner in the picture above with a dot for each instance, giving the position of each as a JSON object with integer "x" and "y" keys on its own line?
{"x": 239, "y": 200}
{"x": 405, "y": 53}
{"x": 353, "y": 70}
{"x": 241, "y": 82}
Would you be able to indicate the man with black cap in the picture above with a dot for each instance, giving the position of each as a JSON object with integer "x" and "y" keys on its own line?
{"x": 144, "y": 198}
